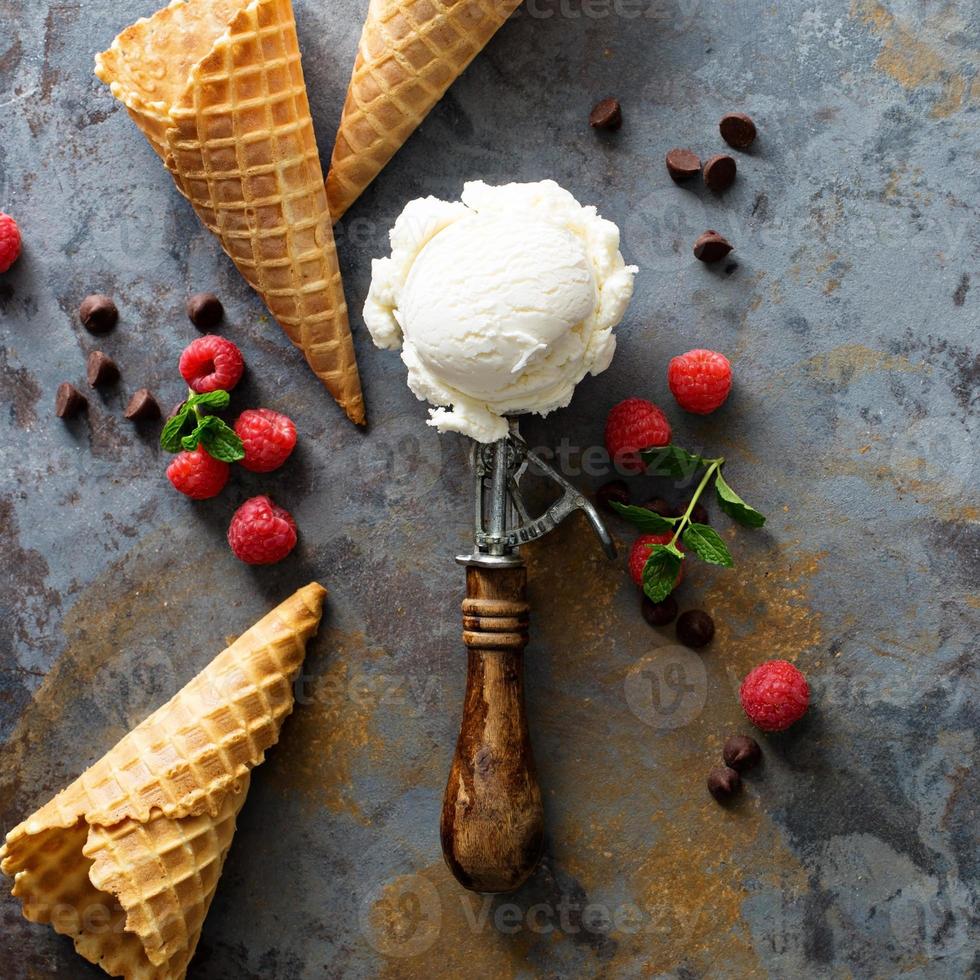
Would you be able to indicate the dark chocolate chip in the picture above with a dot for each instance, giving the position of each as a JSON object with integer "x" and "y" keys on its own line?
{"x": 606, "y": 114}
{"x": 738, "y": 130}
{"x": 699, "y": 515}
{"x": 711, "y": 247}
{"x": 101, "y": 369}
{"x": 695, "y": 628}
{"x": 205, "y": 310}
{"x": 741, "y": 752}
{"x": 142, "y": 406}
{"x": 724, "y": 783}
{"x": 660, "y": 506}
{"x": 682, "y": 164}
{"x": 659, "y": 613}
{"x": 98, "y": 313}
{"x": 719, "y": 173}
{"x": 615, "y": 491}
{"x": 68, "y": 401}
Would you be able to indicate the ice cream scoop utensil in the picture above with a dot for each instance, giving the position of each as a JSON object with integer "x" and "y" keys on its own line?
{"x": 492, "y": 825}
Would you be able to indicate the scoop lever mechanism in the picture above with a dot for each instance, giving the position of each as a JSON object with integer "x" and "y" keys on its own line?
{"x": 503, "y": 522}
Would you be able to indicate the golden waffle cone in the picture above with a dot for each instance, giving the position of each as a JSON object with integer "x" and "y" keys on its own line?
{"x": 126, "y": 860}
{"x": 410, "y": 52}
{"x": 217, "y": 88}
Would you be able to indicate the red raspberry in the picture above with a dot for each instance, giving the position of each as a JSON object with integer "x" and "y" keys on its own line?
{"x": 632, "y": 425}
{"x": 640, "y": 552}
{"x": 9, "y": 241}
{"x": 198, "y": 474}
{"x": 700, "y": 380}
{"x": 211, "y": 362}
{"x": 261, "y": 533}
{"x": 268, "y": 438}
{"x": 774, "y": 695}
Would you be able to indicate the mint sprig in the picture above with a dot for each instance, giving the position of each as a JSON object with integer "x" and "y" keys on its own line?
{"x": 216, "y": 436}
{"x": 661, "y": 568}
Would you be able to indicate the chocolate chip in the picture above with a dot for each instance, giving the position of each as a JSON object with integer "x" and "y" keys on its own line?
{"x": 98, "y": 313}
{"x": 699, "y": 515}
{"x": 101, "y": 369}
{"x": 175, "y": 410}
{"x": 660, "y": 506}
{"x": 142, "y": 406}
{"x": 711, "y": 247}
{"x": 68, "y": 401}
{"x": 659, "y": 613}
{"x": 695, "y": 628}
{"x": 738, "y": 130}
{"x": 615, "y": 491}
{"x": 741, "y": 752}
{"x": 724, "y": 783}
{"x": 682, "y": 164}
{"x": 606, "y": 114}
{"x": 205, "y": 310}
{"x": 719, "y": 173}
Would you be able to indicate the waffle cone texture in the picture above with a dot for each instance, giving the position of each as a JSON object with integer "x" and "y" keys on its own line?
{"x": 217, "y": 88}
{"x": 127, "y": 858}
{"x": 409, "y": 54}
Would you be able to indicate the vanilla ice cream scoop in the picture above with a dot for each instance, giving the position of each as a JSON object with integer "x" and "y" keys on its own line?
{"x": 501, "y": 303}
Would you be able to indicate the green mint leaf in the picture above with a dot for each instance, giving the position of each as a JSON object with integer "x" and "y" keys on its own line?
{"x": 660, "y": 571}
{"x": 671, "y": 461}
{"x": 707, "y": 544}
{"x": 734, "y": 506}
{"x": 218, "y": 398}
{"x": 189, "y": 442}
{"x": 221, "y": 441}
{"x": 170, "y": 436}
{"x": 646, "y": 520}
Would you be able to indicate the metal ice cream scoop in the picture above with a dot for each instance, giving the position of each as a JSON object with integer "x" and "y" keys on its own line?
{"x": 492, "y": 825}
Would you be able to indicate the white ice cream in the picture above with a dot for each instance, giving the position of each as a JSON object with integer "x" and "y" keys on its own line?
{"x": 501, "y": 303}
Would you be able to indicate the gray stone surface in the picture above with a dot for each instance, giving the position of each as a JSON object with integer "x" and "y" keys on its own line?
{"x": 851, "y": 318}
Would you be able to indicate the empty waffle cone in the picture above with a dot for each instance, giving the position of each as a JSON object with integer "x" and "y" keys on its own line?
{"x": 126, "y": 860}
{"x": 410, "y": 52}
{"x": 217, "y": 88}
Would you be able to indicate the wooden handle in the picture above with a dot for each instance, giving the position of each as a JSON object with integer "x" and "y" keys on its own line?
{"x": 492, "y": 824}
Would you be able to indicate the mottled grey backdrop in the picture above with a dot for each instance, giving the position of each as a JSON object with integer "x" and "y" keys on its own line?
{"x": 851, "y": 320}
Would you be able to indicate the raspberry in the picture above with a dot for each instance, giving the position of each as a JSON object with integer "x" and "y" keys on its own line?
{"x": 211, "y": 362}
{"x": 198, "y": 474}
{"x": 268, "y": 438}
{"x": 700, "y": 380}
{"x": 261, "y": 533}
{"x": 9, "y": 241}
{"x": 632, "y": 425}
{"x": 640, "y": 552}
{"x": 774, "y": 695}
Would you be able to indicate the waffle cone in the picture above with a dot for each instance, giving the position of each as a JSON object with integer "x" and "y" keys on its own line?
{"x": 217, "y": 88}
{"x": 126, "y": 860}
{"x": 410, "y": 52}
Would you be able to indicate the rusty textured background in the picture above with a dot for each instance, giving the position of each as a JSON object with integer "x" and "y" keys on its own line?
{"x": 851, "y": 317}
